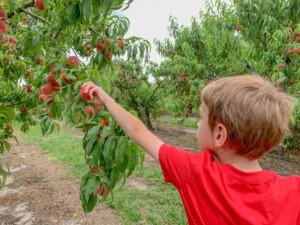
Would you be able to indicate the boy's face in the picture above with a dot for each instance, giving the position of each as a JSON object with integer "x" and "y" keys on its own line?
{"x": 204, "y": 133}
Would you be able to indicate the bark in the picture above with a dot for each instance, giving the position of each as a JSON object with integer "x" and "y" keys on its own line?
{"x": 144, "y": 114}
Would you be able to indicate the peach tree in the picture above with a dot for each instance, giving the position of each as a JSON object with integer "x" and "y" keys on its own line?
{"x": 48, "y": 49}
{"x": 230, "y": 39}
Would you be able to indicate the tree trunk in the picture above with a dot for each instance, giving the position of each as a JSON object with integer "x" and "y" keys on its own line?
{"x": 144, "y": 114}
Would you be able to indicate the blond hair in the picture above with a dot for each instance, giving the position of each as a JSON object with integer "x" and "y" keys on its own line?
{"x": 255, "y": 112}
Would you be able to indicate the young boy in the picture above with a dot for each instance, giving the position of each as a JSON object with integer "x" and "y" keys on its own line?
{"x": 241, "y": 119}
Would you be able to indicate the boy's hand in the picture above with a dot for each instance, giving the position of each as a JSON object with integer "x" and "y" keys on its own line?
{"x": 97, "y": 95}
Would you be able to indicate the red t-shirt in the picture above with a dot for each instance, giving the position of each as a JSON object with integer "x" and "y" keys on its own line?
{"x": 215, "y": 193}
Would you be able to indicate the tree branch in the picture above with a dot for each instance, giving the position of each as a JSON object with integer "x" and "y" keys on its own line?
{"x": 93, "y": 30}
{"x": 152, "y": 94}
{"x": 12, "y": 104}
{"x": 18, "y": 10}
{"x": 35, "y": 16}
{"x": 57, "y": 33}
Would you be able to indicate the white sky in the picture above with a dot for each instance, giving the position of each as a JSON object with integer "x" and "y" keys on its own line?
{"x": 149, "y": 19}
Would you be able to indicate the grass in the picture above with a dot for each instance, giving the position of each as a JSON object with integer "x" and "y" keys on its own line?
{"x": 159, "y": 204}
{"x": 177, "y": 122}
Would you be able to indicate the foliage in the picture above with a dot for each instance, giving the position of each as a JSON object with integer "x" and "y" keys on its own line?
{"x": 47, "y": 51}
{"x": 229, "y": 39}
{"x": 133, "y": 88}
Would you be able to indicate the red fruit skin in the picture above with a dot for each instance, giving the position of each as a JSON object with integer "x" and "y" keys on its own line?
{"x": 51, "y": 80}
{"x": 101, "y": 191}
{"x": 289, "y": 51}
{"x": 84, "y": 95}
{"x": 2, "y": 27}
{"x": 281, "y": 66}
{"x": 27, "y": 75}
{"x": 108, "y": 56}
{"x": 64, "y": 79}
{"x": 44, "y": 97}
{"x": 37, "y": 59}
{"x": 28, "y": 88}
{"x": 88, "y": 48}
{"x": 121, "y": 43}
{"x": 6, "y": 61}
{"x": 24, "y": 110}
{"x": 3, "y": 15}
{"x": 47, "y": 90}
{"x": 8, "y": 128}
{"x": 96, "y": 170}
{"x": 52, "y": 69}
{"x": 39, "y": 4}
{"x": 1, "y": 35}
{"x": 73, "y": 62}
{"x": 104, "y": 122}
{"x": 100, "y": 47}
{"x": 50, "y": 101}
{"x": 13, "y": 45}
{"x": 12, "y": 40}
{"x": 56, "y": 87}
{"x": 90, "y": 111}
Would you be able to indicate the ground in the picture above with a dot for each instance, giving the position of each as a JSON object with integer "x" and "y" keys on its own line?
{"x": 40, "y": 192}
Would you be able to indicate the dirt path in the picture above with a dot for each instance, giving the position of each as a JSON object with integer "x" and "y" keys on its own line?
{"x": 39, "y": 192}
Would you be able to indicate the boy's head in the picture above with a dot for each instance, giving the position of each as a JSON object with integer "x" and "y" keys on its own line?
{"x": 247, "y": 114}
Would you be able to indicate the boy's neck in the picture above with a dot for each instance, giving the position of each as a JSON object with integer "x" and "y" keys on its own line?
{"x": 238, "y": 161}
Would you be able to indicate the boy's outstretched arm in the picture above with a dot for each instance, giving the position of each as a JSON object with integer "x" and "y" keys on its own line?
{"x": 134, "y": 127}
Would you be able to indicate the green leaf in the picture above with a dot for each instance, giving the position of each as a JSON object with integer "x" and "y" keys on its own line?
{"x": 133, "y": 158}
{"x": 7, "y": 145}
{"x": 8, "y": 113}
{"x": 87, "y": 8}
{"x": 117, "y": 4}
{"x": 104, "y": 133}
{"x": 142, "y": 50}
{"x": 121, "y": 159}
{"x": 90, "y": 138}
{"x": 3, "y": 173}
{"x": 114, "y": 177}
{"x": 69, "y": 12}
{"x": 76, "y": 13}
{"x": 108, "y": 150}
{"x": 91, "y": 203}
{"x": 107, "y": 6}
{"x": 129, "y": 51}
{"x": 134, "y": 52}
{"x": 88, "y": 191}
{"x": 96, "y": 153}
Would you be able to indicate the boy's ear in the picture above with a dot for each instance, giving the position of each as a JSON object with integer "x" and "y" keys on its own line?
{"x": 220, "y": 135}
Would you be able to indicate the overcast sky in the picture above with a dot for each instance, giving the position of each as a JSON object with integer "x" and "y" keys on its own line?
{"x": 149, "y": 19}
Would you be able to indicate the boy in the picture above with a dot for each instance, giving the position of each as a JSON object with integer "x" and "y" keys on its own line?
{"x": 241, "y": 119}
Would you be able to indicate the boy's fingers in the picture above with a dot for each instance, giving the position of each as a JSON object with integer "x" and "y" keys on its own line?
{"x": 89, "y": 83}
{"x": 92, "y": 90}
{"x": 87, "y": 87}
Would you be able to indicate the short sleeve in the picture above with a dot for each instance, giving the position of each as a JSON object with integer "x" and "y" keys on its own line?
{"x": 176, "y": 164}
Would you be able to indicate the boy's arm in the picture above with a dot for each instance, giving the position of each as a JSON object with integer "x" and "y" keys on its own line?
{"x": 134, "y": 128}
